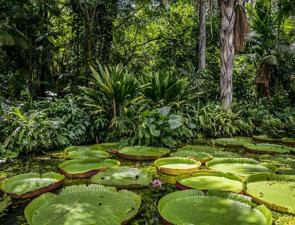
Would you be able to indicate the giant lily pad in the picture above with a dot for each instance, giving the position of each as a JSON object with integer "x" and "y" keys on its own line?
{"x": 193, "y": 207}
{"x": 239, "y": 166}
{"x": 210, "y": 180}
{"x": 267, "y": 148}
{"x": 232, "y": 142}
{"x": 200, "y": 156}
{"x": 29, "y": 185}
{"x": 177, "y": 165}
{"x": 199, "y": 148}
{"x": 105, "y": 146}
{"x": 83, "y": 168}
{"x": 80, "y": 154}
{"x": 289, "y": 141}
{"x": 142, "y": 153}
{"x": 83, "y": 205}
{"x": 277, "y": 192}
{"x": 265, "y": 139}
{"x": 123, "y": 177}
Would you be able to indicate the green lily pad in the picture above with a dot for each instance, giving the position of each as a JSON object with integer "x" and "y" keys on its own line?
{"x": 266, "y": 148}
{"x": 142, "y": 153}
{"x": 177, "y": 165}
{"x": 123, "y": 177}
{"x": 288, "y": 141}
{"x": 193, "y": 207}
{"x": 239, "y": 166}
{"x": 106, "y": 146}
{"x": 277, "y": 192}
{"x": 265, "y": 139}
{"x": 83, "y": 205}
{"x": 210, "y": 180}
{"x": 237, "y": 142}
{"x": 200, "y": 156}
{"x": 83, "y": 168}
{"x": 81, "y": 154}
{"x": 199, "y": 148}
{"x": 29, "y": 185}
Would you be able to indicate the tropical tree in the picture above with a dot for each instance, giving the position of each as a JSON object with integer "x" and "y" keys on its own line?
{"x": 233, "y": 30}
{"x": 202, "y": 35}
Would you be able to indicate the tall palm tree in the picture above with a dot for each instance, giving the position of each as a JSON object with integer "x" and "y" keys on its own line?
{"x": 233, "y": 30}
{"x": 202, "y": 35}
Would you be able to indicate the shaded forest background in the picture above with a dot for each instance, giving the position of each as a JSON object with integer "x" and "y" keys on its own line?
{"x": 82, "y": 71}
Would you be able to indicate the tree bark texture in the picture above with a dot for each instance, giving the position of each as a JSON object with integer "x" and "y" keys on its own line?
{"x": 227, "y": 10}
{"x": 202, "y": 35}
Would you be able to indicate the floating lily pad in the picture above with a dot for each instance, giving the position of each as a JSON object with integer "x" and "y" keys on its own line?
{"x": 210, "y": 180}
{"x": 289, "y": 141}
{"x": 142, "y": 153}
{"x": 225, "y": 154}
{"x": 123, "y": 177}
{"x": 275, "y": 191}
{"x": 266, "y": 148}
{"x": 77, "y": 148}
{"x": 265, "y": 139}
{"x": 105, "y": 146}
{"x": 237, "y": 142}
{"x": 177, "y": 165}
{"x": 200, "y": 156}
{"x": 83, "y": 205}
{"x": 81, "y": 154}
{"x": 29, "y": 185}
{"x": 83, "y": 168}
{"x": 199, "y": 148}
{"x": 239, "y": 166}
{"x": 216, "y": 208}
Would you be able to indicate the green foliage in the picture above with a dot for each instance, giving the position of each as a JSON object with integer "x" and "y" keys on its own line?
{"x": 163, "y": 126}
{"x": 166, "y": 87}
{"x": 49, "y": 124}
{"x": 5, "y": 202}
{"x": 214, "y": 122}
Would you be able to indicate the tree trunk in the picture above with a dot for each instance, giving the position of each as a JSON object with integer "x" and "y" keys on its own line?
{"x": 227, "y": 10}
{"x": 202, "y": 35}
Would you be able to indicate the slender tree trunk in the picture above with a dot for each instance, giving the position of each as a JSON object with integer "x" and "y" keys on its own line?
{"x": 227, "y": 10}
{"x": 202, "y": 35}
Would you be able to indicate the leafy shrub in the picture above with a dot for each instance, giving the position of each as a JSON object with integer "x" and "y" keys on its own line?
{"x": 164, "y": 126}
{"x": 50, "y": 124}
{"x": 212, "y": 121}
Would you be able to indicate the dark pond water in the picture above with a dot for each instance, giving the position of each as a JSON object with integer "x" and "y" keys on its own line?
{"x": 148, "y": 214}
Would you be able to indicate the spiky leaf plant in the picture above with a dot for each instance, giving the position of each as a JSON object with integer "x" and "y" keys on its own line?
{"x": 83, "y": 168}
{"x": 177, "y": 165}
{"x": 239, "y": 166}
{"x": 29, "y": 185}
{"x": 5, "y": 202}
{"x": 81, "y": 204}
{"x": 214, "y": 208}
{"x": 123, "y": 177}
{"x": 210, "y": 180}
{"x": 274, "y": 191}
{"x": 142, "y": 153}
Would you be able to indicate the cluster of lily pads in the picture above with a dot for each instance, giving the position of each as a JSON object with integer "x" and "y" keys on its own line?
{"x": 236, "y": 190}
